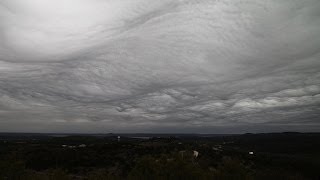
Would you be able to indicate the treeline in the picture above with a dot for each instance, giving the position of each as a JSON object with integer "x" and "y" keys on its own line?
{"x": 166, "y": 166}
{"x": 164, "y": 158}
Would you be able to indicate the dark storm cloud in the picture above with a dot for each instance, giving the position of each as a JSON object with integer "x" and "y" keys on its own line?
{"x": 171, "y": 66}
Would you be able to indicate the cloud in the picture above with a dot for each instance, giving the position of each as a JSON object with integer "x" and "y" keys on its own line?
{"x": 169, "y": 66}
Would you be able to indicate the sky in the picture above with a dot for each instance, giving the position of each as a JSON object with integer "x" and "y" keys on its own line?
{"x": 159, "y": 66}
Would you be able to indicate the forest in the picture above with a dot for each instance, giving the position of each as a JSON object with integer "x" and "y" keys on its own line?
{"x": 287, "y": 156}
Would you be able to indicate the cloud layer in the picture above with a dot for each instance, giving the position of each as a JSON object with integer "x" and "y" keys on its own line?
{"x": 209, "y": 66}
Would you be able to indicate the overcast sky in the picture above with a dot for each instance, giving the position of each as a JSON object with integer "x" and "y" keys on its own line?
{"x": 184, "y": 66}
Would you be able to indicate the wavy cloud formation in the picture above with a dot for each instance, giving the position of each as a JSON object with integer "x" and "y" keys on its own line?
{"x": 209, "y": 66}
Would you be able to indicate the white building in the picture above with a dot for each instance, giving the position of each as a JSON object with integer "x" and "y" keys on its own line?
{"x": 195, "y": 154}
{"x": 82, "y": 146}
